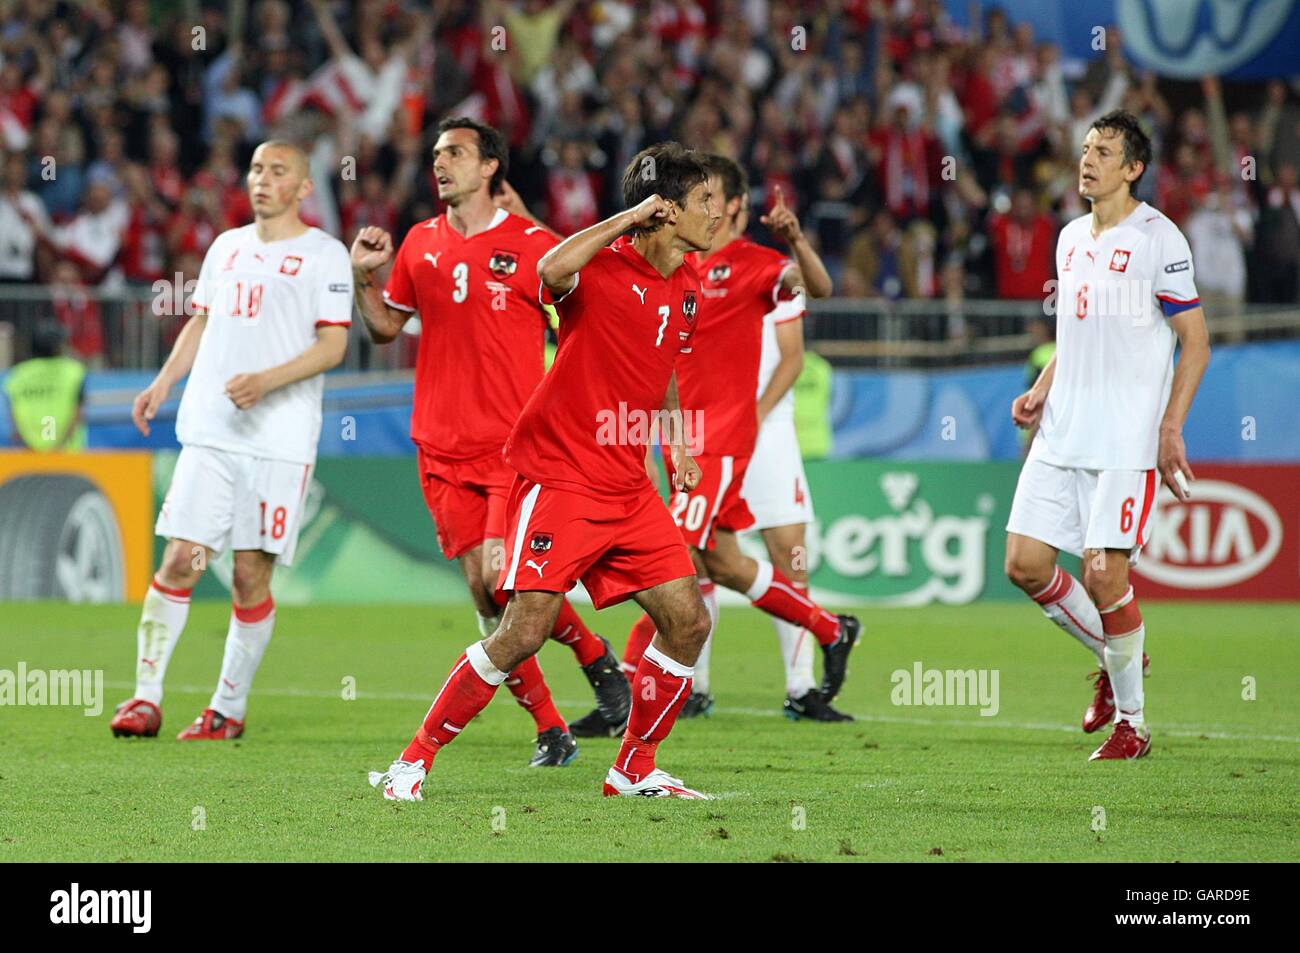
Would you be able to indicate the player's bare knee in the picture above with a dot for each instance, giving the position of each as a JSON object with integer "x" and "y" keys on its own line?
{"x": 182, "y": 564}
{"x": 692, "y": 632}
{"x": 1027, "y": 576}
{"x": 250, "y": 582}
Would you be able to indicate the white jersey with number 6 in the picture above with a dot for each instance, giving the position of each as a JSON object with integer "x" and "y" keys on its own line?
{"x": 264, "y": 301}
{"x": 1114, "y": 343}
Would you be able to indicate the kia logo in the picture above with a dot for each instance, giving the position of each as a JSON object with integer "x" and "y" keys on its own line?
{"x": 1209, "y": 541}
{"x": 1185, "y": 39}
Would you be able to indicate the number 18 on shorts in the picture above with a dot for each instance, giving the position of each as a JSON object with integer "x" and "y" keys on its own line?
{"x": 226, "y": 500}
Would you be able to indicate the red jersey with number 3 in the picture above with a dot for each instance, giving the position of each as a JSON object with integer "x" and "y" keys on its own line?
{"x": 742, "y": 283}
{"x": 481, "y": 330}
{"x": 622, "y": 326}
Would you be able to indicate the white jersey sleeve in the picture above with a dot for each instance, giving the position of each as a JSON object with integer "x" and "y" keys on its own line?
{"x": 333, "y": 287}
{"x": 1175, "y": 274}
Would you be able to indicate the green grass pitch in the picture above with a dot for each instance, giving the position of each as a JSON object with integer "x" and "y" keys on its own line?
{"x": 934, "y": 784}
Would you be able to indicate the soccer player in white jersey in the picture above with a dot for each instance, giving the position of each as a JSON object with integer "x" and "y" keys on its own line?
{"x": 776, "y": 490}
{"x": 1110, "y": 408}
{"x": 271, "y": 313}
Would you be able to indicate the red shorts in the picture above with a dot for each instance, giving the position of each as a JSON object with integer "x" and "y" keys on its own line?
{"x": 715, "y": 504}
{"x": 467, "y": 500}
{"x": 616, "y": 547}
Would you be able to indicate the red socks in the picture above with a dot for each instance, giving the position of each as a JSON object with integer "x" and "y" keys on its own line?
{"x": 534, "y": 696}
{"x": 778, "y": 596}
{"x": 569, "y": 630}
{"x": 463, "y": 695}
{"x": 637, "y": 641}
{"x": 660, "y": 688}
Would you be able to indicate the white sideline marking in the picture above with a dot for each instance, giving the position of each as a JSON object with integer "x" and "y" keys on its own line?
{"x": 1178, "y": 731}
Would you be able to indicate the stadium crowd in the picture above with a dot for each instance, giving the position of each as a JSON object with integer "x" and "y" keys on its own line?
{"x": 926, "y": 160}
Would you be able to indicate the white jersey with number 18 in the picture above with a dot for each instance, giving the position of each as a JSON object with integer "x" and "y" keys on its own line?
{"x": 264, "y": 301}
{"x": 1114, "y": 343}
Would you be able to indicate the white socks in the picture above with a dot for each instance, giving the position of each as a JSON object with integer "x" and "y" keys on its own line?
{"x": 246, "y": 640}
{"x": 487, "y": 624}
{"x": 162, "y": 619}
{"x": 1125, "y": 635}
{"x": 1066, "y": 603}
{"x": 710, "y": 593}
{"x": 797, "y": 655}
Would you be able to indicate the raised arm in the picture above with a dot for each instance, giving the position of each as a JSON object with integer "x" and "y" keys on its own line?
{"x": 559, "y": 267}
{"x": 371, "y": 252}
{"x": 811, "y": 274}
{"x": 1193, "y": 356}
{"x": 334, "y": 38}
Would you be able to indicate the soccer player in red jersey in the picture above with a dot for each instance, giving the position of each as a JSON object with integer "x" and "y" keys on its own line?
{"x": 583, "y": 506}
{"x": 471, "y": 274}
{"x": 742, "y": 282}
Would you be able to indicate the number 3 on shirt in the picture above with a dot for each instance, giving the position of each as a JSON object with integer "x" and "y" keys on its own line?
{"x": 461, "y": 276}
{"x": 664, "y": 311}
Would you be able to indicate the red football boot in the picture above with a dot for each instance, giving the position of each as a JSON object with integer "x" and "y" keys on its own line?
{"x": 1102, "y": 709}
{"x": 136, "y": 718}
{"x": 212, "y": 726}
{"x": 1124, "y": 744}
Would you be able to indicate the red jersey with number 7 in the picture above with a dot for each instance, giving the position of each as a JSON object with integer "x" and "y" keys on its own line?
{"x": 585, "y": 429}
{"x": 481, "y": 330}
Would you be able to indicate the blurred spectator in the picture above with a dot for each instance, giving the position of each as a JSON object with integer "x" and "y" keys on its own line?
{"x": 23, "y": 222}
{"x": 144, "y": 242}
{"x": 92, "y": 239}
{"x": 572, "y": 192}
{"x": 1277, "y": 246}
{"x": 1024, "y": 248}
{"x": 1219, "y": 232}
{"x": 78, "y": 313}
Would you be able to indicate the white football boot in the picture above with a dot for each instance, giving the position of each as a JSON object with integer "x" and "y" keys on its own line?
{"x": 655, "y": 784}
{"x": 402, "y": 781}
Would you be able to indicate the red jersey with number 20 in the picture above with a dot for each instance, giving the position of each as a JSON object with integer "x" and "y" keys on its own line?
{"x": 622, "y": 325}
{"x": 481, "y": 330}
{"x": 742, "y": 283}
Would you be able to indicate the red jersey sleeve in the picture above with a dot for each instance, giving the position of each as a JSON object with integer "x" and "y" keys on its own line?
{"x": 400, "y": 290}
{"x": 767, "y": 269}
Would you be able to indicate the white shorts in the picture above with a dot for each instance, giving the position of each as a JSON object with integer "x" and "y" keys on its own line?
{"x": 228, "y": 500}
{"x": 1074, "y": 510}
{"x": 775, "y": 486}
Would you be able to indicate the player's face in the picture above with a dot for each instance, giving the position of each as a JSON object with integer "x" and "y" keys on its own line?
{"x": 458, "y": 168}
{"x": 277, "y": 181}
{"x": 1101, "y": 166}
{"x": 700, "y": 215}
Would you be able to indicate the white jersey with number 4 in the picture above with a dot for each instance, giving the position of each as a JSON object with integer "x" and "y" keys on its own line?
{"x": 264, "y": 301}
{"x": 1114, "y": 343}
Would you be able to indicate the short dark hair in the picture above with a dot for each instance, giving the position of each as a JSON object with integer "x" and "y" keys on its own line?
{"x": 47, "y": 339}
{"x": 735, "y": 183}
{"x": 666, "y": 168}
{"x": 491, "y": 145}
{"x": 1137, "y": 144}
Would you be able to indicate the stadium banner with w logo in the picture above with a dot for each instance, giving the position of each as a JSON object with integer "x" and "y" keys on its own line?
{"x": 1180, "y": 39}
